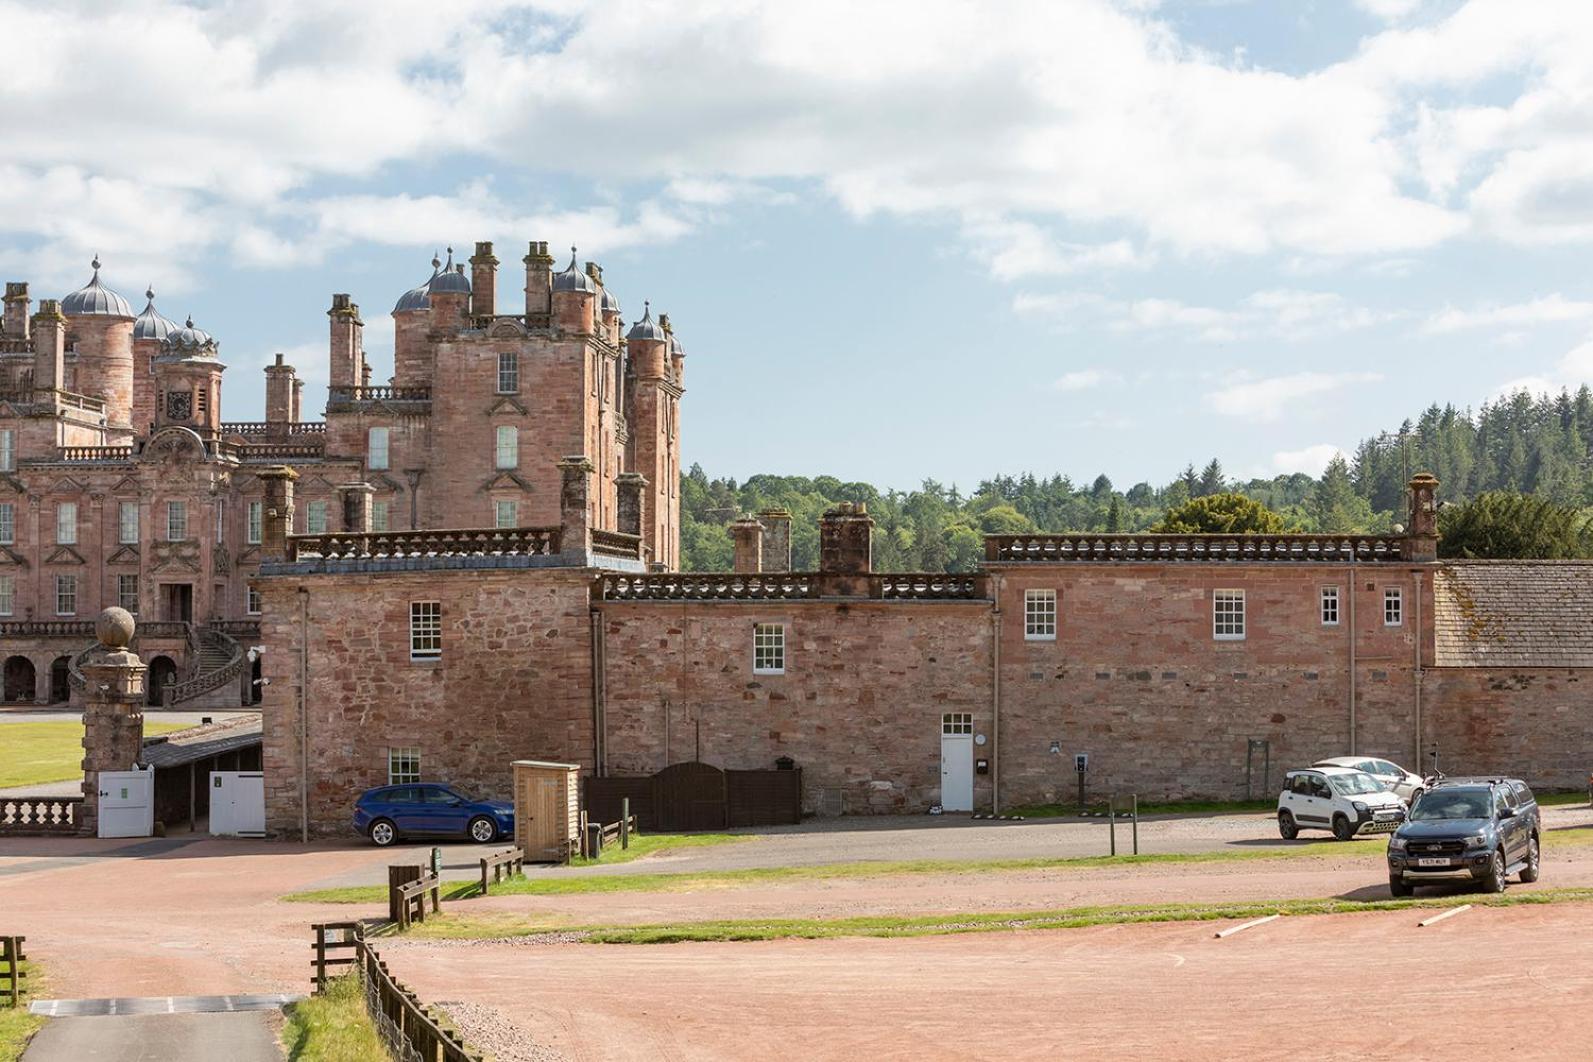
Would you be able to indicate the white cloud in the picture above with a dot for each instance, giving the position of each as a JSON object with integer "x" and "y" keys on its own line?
{"x": 1389, "y": 10}
{"x": 1549, "y": 309}
{"x": 1269, "y": 399}
{"x": 1573, "y": 370}
{"x": 1311, "y": 460}
{"x": 1280, "y": 313}
{"x": 1085, "y": 379}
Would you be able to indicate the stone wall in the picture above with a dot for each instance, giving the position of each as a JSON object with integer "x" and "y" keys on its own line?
{"x": 513, "y": 682}
{"x": 858, "y": 708}
{"x": 1532, "y": 723}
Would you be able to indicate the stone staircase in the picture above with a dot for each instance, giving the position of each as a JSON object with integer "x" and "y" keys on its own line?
{"x": 216, "y": 659}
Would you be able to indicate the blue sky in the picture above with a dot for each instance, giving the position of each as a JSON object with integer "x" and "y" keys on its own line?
{"x": 900, "y": 240}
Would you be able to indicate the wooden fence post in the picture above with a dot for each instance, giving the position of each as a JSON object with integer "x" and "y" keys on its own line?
{"x": 625, "y": 822}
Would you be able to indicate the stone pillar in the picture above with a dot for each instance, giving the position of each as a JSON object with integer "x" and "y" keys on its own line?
{"x": 747, "y": 534}
{"x": 298, "y": 400}
{"x": 575, "y": 523}
{"x": 356, "y": 506}
{"x": 346, "y": 350}
{"x": 538, "y": 280}
{"x": 278, "y": 512}
{"x": 16, "y": 313}
{"x": 49, "y": 346}
{"x": 776, "y": 539}
{"x": 280, "y": 385}
{"x": 631, "y": 489}
{"x": 113, "y": 709}
{"x": 1421, "y": 533}
{"x": 484, "y": 280}
{"x": 846, "y": 540}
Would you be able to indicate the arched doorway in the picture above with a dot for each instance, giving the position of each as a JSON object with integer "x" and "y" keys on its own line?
{"x": 162, "y": 673}
{"x": 60, "y": 686}
{"x": 20, "y": 680}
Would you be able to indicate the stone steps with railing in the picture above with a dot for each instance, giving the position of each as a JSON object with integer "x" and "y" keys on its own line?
{"x": 217, "y": 655}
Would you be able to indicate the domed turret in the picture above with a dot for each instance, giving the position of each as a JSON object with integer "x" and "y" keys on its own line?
{"x": 151, "y": 324}
{"x": 449, "y": 280}
{"x": 646, "y": 328}
{"x": 574, "y": 300}
{"x": 573, "y": 279}
{"x": 191, "y": 342}
{"x": 95, "y": 299}
{"x": 416, "y": 298}
{"x": 610, "y": 303}
{"x": 646, "y": 346}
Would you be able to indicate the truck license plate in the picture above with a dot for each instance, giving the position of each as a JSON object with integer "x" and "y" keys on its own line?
{"x": 1432, "y": 862}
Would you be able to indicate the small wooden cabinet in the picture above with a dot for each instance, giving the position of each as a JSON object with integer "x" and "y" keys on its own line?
{"x": 547, "y": 810}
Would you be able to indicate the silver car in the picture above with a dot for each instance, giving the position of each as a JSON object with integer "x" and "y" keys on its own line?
{"x": 1405, "y": 785}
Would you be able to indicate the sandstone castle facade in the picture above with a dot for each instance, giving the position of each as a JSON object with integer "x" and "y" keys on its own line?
{"x": 121, "y": 482}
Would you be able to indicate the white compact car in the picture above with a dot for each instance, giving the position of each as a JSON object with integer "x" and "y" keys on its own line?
{"x": 1345, "y": 801}
{"x": 1408, "y": 786}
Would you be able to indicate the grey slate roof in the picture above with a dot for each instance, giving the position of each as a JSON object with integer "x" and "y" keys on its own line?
{"x": 573, "y": 279}
{"x": 95, "y": 299}
{"x": 202, "y": 742}
{"x": 151, "y": 324}
{"x": 1513, "y": 614}
{"x": 450, "y": 279}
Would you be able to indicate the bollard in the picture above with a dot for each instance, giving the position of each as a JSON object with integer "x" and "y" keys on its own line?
{"x": 625, "y": 822}
{"x": 1111, "y": 819}
{"x": 1136, "y": 824}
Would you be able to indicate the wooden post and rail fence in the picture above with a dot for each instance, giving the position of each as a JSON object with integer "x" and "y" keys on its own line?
{"x": 11, "y": 973}
{"x": 507, "y": 863}
{"x": 595, "y": 837}
{"x": 408, "y": 1027}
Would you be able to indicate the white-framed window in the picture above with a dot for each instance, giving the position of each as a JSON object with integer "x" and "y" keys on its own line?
{"x": 381, "y": 514}
{"x": 251, "y": 603}
{"x": 66, "y": 523}
{"x": 1039, "y": 615}
{"x": 8, "y": 450}
{"x": 425, "y": 630}
{"x": 403, "y": 766}
{"x": 768, "y": 648}
{"x": 176, "y": 521}
{"x": 66, "y": 595}
{"x": 256, "y": 529}
{"x": 127, "y": 523}
{"x": 508, "y": 372}
{"x": 8, "y": 523}
{"x": 8, "y": 594}
{"x": 506, "y": 514}
{"x": 127, "y": 592}
{"x": 1393, "y": 606}
{"x": 956, "y": 723}
{"x": 315, "y": 517}
{"x": 1330, "y": 606}
{"x": 1228, "y": 615}
{"x": 506, "y": 452}
{"x": 376, "y": 441}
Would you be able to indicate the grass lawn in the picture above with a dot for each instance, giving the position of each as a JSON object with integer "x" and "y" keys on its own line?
{"x": 652, "y": 843}
{"x": 466, "y": 927}
{"x": 1067, "y": 810}
{"x": 36, "y": 753}
{"x": 18, "y": 1026}
{"x": 333, "y": 1026}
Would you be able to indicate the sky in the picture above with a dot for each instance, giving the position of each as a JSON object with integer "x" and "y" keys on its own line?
{"x": 900, "y": 239}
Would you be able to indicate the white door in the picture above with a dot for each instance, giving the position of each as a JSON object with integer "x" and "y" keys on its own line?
{"x": 956, "y": 761}
{"x": 237, "y": 804}
{"x": 127, "y": 803}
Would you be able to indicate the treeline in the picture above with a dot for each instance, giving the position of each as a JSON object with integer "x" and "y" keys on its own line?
{"x": 1521, "y": 444}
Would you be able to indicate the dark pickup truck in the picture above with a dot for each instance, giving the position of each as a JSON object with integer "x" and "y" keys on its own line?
{"x": 1466, "y": 829}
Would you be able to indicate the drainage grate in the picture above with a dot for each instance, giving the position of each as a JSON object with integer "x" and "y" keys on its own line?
{"x": 88, "y": 1008}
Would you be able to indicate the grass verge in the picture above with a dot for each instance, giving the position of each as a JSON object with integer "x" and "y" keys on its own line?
{"x": 646, "y": 844}
{"x": 946, "y": 924}
{"x": 17, "y": 1026}
{"x": 333, "y": 1026}
{"x": 38, "y": 753}
{"x": 1166, "y": 807}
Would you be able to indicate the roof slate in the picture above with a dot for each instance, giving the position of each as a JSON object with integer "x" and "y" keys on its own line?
{"x": 1513, "y": 614}
{"x": 202, "y": 742}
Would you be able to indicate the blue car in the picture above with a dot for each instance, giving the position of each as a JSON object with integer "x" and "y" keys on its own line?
{"x": 429, "y": 809}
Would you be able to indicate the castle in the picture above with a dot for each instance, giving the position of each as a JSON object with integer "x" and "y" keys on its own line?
{"x": 122, "y": 484}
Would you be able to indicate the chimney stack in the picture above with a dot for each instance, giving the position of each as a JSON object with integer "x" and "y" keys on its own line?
{"x": 631, "y": 488}
{"x": 776, "y": 539}
{"x": 347, "y": 346}
{"x": 278, "y": 523}
{"x": 484, "y": 280}
{"x": 538, "y": 280}
{"x": 16, "y": 312}
{"x": 846, "y": 535}
{"x": 747, "y": 535}
{"x": 356, "y": 506}
{"x": 49, "y": 346}
{"x": 281, "y": 383}
{"x": 1421, "y": 533}
{"x": 575, "y": 520}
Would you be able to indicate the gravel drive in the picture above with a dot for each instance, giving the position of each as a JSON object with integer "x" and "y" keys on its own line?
{"x": 490, "y": 1030}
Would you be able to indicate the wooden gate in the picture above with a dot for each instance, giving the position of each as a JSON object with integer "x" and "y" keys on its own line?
{"x": 690, "y": 796}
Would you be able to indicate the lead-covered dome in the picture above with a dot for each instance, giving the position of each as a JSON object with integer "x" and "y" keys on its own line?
{"x": 647, "y": 328}
{"x": 610, "y": 303}
{"x": 572, "y": 279}
{"x": 95, "y": 299}
{"x": 151, "y": 324}
{"x": 191, "y": 340}
{"x": 449, "y": 280}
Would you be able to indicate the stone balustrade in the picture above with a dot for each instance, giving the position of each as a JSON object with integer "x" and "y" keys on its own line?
{"x": 41, "y": 815}
{"x": 248, "y": 428}
{"x": 1051, "y": 549}
{"x": 94, "y": 454}
{"x": 344, "y": 398}
{"x": 920, "y": 586}
{"x": 486, "y": 542}
{"x": 47, "y": 629}
{"x": 616, "y": 544}
{"x": 790, "y": 586}
{"x": 15, "y": 345}
{"x": 281, "y": 451}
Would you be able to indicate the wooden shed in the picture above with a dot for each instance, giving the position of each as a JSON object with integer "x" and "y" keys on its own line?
{"x": 547, "y": 810}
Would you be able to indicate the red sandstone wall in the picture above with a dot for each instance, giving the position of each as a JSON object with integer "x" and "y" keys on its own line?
{"x": 514, "y": 682}
{"x": 1531, "y": 723}
{"x": 858, "y": 708}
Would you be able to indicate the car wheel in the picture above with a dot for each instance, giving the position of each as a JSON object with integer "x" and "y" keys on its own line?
{"x": 1398, "y": 887}
{"x": 383, "y": 833}
{"x": 1287, "y": 828}
{"x": 1343, "y": 828}
{"x": 1495, "y": 881}
{"x": 1529, "y": 873}
{"x": 482, "y": 830}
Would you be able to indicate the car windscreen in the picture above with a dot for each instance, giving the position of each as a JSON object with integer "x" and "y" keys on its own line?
{"x": 1453, "y": 804}
{"x": 1355, "y": 784}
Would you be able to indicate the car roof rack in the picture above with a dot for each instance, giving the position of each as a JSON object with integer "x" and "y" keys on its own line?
{"x": 1474, "y": 779}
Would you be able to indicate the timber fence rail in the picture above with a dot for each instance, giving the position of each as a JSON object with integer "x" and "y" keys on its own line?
{"x": 342, "y": 941}
{"x": 407, "y": 899}
{"x": 595, "y": 837}
{"x": 11, "y": 972}
{"x": 412, "y": 1031}
{"x": 507, "y": 863}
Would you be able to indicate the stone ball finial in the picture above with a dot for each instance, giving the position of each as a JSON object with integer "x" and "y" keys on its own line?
{"x": 114, "y": 628}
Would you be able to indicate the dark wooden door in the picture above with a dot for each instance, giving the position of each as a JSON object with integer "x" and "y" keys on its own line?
{"x": 690, "y": 796}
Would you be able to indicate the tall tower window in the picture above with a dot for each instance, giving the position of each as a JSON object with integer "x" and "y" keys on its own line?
{"x": 508, "y": 373}
{"x": 256, "y": 522}
{"x": 379, "y": 515}
{"x": 8, "y": 594}
{"x": 376, "y": 448}
{"x": 8, "y": 450}
{"x": 508, "y": 447}
{"x": 315, "y": 517}
{"x": 505, "y": 514}
{"x": 127, "y": 592}
{"x": 66, "y": 595}
{"x": 8, "y": 523}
